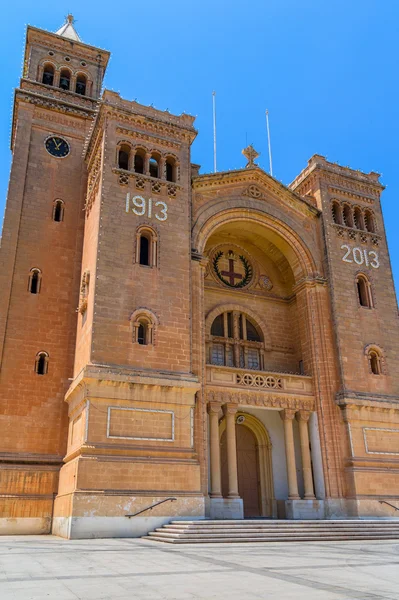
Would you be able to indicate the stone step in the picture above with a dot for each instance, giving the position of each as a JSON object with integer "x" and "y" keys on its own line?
{"x": 293, "y": 531}
{"x": 229, "y": 540}
{"x": 274, "y": 530}
{"x": 286, "y": 522}
{"x": 277, "y": 535}
{"x": 290, "y": 525}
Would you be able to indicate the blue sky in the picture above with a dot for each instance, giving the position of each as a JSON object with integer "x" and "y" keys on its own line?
{"x": 327, "y": 72}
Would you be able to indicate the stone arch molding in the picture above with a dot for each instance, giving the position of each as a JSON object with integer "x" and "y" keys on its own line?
{"x": 221, "y": 308}
{"x": 264, "y": 450}
{"x": 292, "y": 245}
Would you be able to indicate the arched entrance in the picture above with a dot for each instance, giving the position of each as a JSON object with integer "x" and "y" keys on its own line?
{"x": 254, "y": 466}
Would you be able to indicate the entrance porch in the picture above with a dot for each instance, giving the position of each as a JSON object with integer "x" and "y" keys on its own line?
{"x": 265, "y": 459}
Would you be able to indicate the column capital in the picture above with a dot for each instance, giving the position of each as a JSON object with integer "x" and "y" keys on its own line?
{"x": 287, "y": 414}
{"x": 214, "y": 407}
{"x": 230, "y": 409}
{"x": 303, "y": 415}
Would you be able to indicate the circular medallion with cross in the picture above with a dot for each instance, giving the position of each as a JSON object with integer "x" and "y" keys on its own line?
{"x": 232, "y": 269}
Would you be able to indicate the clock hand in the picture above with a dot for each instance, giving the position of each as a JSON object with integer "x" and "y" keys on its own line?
{"x": 57, "y": 146}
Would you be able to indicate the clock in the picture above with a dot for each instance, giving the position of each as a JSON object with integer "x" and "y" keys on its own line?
{"x": 57, "y": 146}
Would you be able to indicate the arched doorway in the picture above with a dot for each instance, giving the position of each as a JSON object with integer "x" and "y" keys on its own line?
{"x": 254, "y": 466}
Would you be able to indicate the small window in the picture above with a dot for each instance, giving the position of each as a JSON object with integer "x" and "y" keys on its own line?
{"x": 65, "y": 79}
{"x": 375, "y": 363}
{"x": 252, "y": 334}
{"x": 34, "y": 283}
{"x": 348, "y": 216}
{"x": 364, "y": 291}
{"x": 369, "y": 221}
{"x": 146, "y": 246}
{"x": 253, "y": 358}
{"x": 358, "y": 218}
{"x": 217, "y": 328}
{"x": 58, "y": 211}
{"x": 170, "y": 169}
{"x": 154, "y": 167}
{"x": 336, "y": 213}
{"x": 144, "y": 250}
{"x": 141, "y": 334}
{"x": 41, "y": 363}
{"x": 124, "y": 157}
{"x": 81, "y": 84}
{"x": 143, "y": 322}
{"x": 139, "y": 161}
{"x": 48, "y": 74}
{"x": 217, "y": 354}
{"x": 301, "y": 368}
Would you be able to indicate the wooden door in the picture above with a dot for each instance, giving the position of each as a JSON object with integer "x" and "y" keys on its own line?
{"x": 248, "y": 471}
{"x": 247, "y": 467}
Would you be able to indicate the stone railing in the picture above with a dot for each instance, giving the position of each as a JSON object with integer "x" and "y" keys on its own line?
{"x": 290, "y": 383}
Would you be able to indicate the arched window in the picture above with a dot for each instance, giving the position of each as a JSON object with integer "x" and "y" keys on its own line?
{"x": 58, "y": 211}
{"x": 35, "y": 280}
{"x": 336, "y": 212}
{"x": 144, "y": 323}
{"x": 154, "y": 166}
{"x": 41, "y": 363}
{"x": 375, "y": 362}
{"x": 65, "y": 79}
{"x": 142, "y": 333}
{"x": 146, "y": 246}
{"x": 235, "y": 341}
{"x": 81, "y": 84}
{"x": 139, "y": 159}
{"x": 364, "y": 291}
{"x": 358, "y": 218}
{"x": 369, "y": 221}
{"x": 124, "y": 157}
{"x": 145, "y": 243}
{"x": 48, "y": 74}
{"x": 171, "y": 169}
{"x": 348, "y": 215}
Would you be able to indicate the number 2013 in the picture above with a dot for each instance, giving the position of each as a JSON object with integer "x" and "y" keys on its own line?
{"x": 360, "y": 256}
{"x": 141, "y": 207}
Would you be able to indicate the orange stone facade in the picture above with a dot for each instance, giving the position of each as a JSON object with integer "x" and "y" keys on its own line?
{"x": 220, "y": 343}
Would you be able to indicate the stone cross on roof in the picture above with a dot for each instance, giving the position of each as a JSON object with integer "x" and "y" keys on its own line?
{"x": 250, "y": 153}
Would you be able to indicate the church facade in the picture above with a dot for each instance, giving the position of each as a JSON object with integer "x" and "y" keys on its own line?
{"x": 220, "y": 345}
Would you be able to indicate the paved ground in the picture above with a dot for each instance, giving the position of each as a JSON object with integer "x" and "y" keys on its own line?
{"x": 47, "y": 568}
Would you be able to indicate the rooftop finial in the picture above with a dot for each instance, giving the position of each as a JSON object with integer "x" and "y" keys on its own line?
{"x": 250, "y": 154}
{"x": 68, "y": 30}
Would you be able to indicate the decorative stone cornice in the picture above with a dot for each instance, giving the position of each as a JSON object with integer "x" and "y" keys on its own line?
{"x": 265, "y": 399}
{"x": 310, "y": 282}
{"x": 146, "y": 137}
{"x": 359, "y": 400}
{"x": 251, "y": 177}
{"x": 366, "y": 183}
{"x": 352, "y": 195}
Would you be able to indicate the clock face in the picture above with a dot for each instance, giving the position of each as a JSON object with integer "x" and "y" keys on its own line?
{"x": 57, "y": 146}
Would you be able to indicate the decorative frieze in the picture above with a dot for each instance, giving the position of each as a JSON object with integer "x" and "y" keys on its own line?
{"x": 275, "y": 401}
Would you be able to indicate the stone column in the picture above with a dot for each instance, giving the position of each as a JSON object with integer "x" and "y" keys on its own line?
{"x": 147, "y": 163}
{"x": 288, "y": 417}
{"x": 303, "y": 418}
{"x": 230, "y": 411}
{"x": 216, "y": 477}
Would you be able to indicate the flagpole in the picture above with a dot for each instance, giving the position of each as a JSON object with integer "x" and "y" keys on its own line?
{"x": 214, "y": 130}
{"x": 268, "y": 143}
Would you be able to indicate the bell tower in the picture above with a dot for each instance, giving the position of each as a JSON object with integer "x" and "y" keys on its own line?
{"x": 40, "y": 258}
